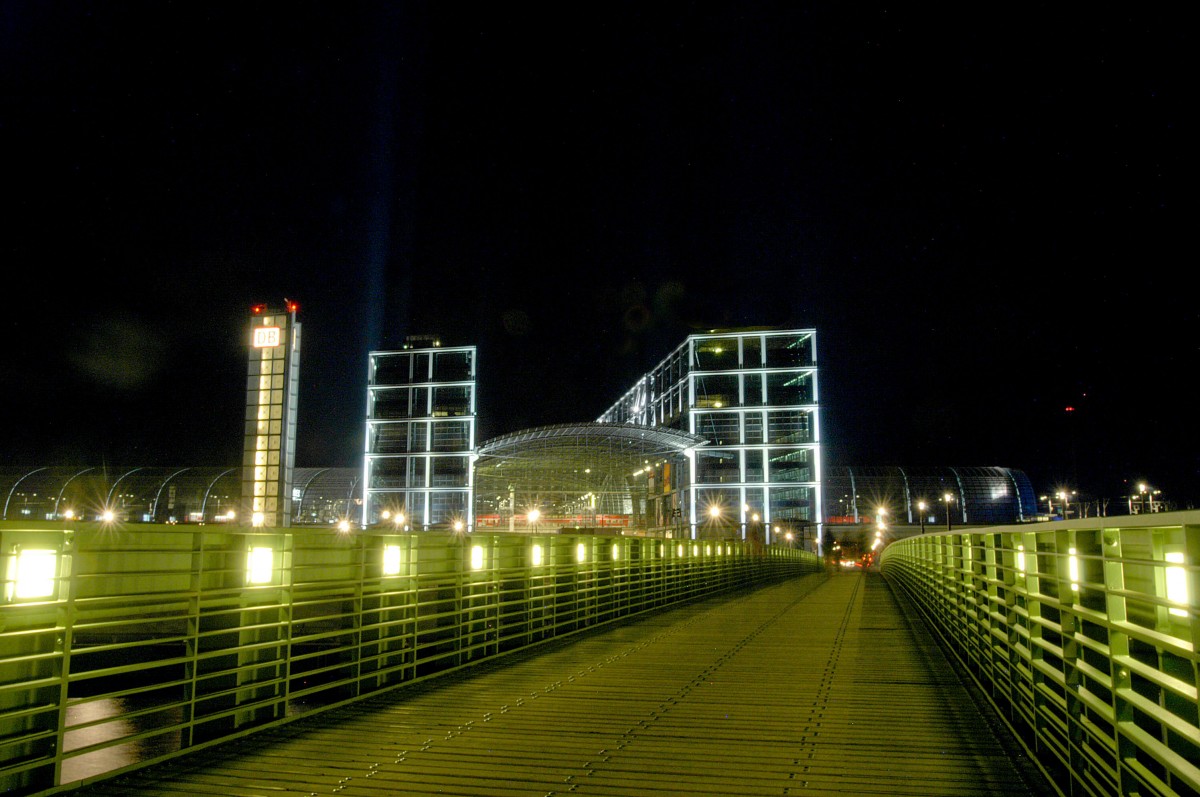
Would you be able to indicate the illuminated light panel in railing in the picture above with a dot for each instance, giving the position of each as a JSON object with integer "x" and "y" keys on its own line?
{"x": 391, "y": 560}
{"x": 33, "y": 574}
{"x": 259, "y": 565}
{"x": 1177, "y": 587}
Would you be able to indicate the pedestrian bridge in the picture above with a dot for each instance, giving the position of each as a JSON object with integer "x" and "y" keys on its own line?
{"x": 986, "y": 661}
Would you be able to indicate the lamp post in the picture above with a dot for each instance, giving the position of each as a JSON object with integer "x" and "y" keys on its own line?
{"x": 1064, "y": 497}
{"x": 1147, "y": 495}
{"x": 921, "y": 506}
{"x": 948, "y": 497}
{"x": 532, "y": 517}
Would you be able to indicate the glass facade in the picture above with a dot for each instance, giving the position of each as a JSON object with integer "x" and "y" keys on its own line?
{"x": 605, "y": 478}
{"x": 420, "y": 437}
{"x": 752, "y": 394}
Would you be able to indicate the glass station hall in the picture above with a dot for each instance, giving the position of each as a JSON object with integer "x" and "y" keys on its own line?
{"x": 719, "y": 440}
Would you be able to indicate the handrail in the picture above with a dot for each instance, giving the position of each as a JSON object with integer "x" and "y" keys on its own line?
{"x": 126, "y": 645}
{"x": 1083, "y": 634}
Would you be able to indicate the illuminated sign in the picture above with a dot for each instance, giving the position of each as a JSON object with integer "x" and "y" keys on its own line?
{"x": 266, "y": 337}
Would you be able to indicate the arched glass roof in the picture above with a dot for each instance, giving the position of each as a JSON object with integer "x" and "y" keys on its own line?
{"x": 582, "y": 474}
{"x": 165, "y": 494}
{"x": 979, "y": 495}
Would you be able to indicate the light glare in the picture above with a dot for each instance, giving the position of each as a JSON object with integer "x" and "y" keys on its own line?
{"x": 35, "y": 573}
{"x": 391, "y": 560}
{"x": 258, "y": 565}
{"x": 1177, "y": 588}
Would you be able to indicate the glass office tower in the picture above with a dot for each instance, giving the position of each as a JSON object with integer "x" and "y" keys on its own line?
{"x": 420, "y": 437}
{"x": 753, "y": 395}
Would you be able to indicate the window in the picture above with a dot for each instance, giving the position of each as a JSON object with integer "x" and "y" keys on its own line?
{"x": 754, "y": 427}
{"x": 789, "y": 465}
{"x": 791, "y": 503}
{"x": 719, "y": 354}
{"x": 392, "y": 369}
{"x": 752, "y": 352}
{"x": 388, "y": 473}
{"x": 789, "y": 351}
{"x": 752, "y": 385}
{"x": 452, "y": 366}
{"x": 451, "y": 435}
{"x": 787, "y": 427}
{"x": 720, "y": 428}
{"x": 715, "y": 391}
{"x": 389, "y": 438}
{"x": 450, "y": 472}
{"x": 451, "y": 401}
{"x": 754, "y": 464}
{"x": 788, "y": 389}
{"x": 717, "y": 467}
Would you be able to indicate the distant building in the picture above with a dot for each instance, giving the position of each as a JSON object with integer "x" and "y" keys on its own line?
{"x": 737, "y": 453}
{"x": 272, "y": 392}
{"x": 752, "y": 396}
{"x": 720, "y": 439}
{"x": 420, "y": 435}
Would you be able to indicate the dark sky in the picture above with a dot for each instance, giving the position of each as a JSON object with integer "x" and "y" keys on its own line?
{"x": 979, "y": 210}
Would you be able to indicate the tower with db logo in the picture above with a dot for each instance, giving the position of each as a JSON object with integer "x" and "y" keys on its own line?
{"x": 272, "y": 389}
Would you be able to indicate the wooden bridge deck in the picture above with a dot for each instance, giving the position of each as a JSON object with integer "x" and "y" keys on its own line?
{"x": 819, "y": 686}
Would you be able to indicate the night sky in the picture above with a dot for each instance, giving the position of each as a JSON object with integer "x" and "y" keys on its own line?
{"x": 980, "y": 211}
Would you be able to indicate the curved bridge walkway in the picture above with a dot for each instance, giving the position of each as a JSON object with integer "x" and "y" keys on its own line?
{"x": 818, "y": 686}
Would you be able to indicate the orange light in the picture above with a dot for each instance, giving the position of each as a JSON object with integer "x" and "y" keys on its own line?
{"x": 258, "y": 308}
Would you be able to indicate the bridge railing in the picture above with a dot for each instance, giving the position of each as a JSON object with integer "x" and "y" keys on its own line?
{"x": 123, "y": 646}
{"x": 1082, "y": 634}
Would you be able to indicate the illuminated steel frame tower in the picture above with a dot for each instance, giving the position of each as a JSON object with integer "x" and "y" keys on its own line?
{"x": 272, "y": 389}
{"x": 753, "y": 395}
{"x": 420, "y": 446}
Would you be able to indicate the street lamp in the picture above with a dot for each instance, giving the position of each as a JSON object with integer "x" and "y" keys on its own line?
{"x": 1064, "y": 497}
{"x": 921, "y": 506}
{"x": 948, "y": 497}
{"x": 1147, "y": 495}
{"x": 532, "y": 517}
